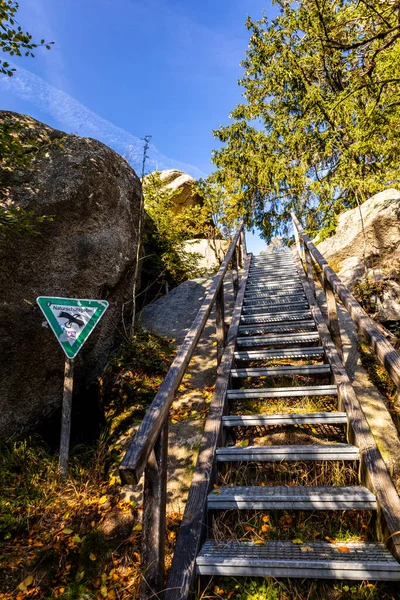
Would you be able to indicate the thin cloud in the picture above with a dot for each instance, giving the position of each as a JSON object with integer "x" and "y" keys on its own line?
{"x": 77, "y": 118}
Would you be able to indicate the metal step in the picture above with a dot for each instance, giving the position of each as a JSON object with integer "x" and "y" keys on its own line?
{"x": 277, "y": 327}
{"x": 276, "y": 317}
{"x": 284, "y": 392}
{"x": 324, "y": 418}
{"x": 313, "y": 352}
{"x": 278, "y": 339}
{"x": 315, "y": 560}
{"x": 292, "y": 498}
{"x": 271, "y": 299}
{"x": 286, "y": 271}
{"x": 275, "y": 292}
{"x": 259, "y": 278}
{"x": 277, "y": 306}
{"x": 287, "y": 453}
{"x": 276, "y": 285}
{"x": 282, "y": 371}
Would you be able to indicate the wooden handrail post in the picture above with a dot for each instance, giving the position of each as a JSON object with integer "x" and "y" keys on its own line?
{"x": 244, "y": 247}
{"x": 154, "y": 518}
{"x": 235, "y": 274}
{"x": 309, "y": 271}
{"x": 300, "y": 247}
{"x": 220, "y": 323}
{"x": 239, "y": 255}
{"x": 333, "y": 319}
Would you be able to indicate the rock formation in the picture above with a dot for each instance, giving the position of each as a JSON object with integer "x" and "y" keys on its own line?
{"x": 88, "y": 250}
{"x": 349, "y": 252}
{"x": 183, "y": 186}
{"x": 381, "y": 217}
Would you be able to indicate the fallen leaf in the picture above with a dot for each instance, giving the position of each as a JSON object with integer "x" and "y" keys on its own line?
{"x": 138, "y": 527}
{"x": 306, "y": 549}
{"x": 260, "y": 543}
{"x": 103, "y": 591}
{"x": 297, "y": 541}
{"x": 25, "y": 583}
{"x": 103, "y": 500}
{"x": 343, "y": 548}
{"x": 67, "y": 531}
{"x": 92, "y": 556}
{"x": 266, "y": 518}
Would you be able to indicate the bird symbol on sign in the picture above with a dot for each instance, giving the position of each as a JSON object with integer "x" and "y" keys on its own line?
{"x": 71, "y": 319}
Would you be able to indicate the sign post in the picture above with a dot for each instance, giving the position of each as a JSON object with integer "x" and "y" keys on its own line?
{"x": 72, "y": 321}
{"x": 66, "y": 416}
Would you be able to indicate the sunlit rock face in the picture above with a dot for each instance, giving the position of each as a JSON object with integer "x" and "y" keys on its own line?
{"x": 88, "y": 250}
{"x": 370, "y": 246}
{"x": 183, "y": 187}
{"x": 381, "y": 219}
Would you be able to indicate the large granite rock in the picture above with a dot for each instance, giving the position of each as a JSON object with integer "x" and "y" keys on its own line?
{"x": 87, "y": 251}
{"x": 211, "y": 252}
{"x": 377, "y": 256}
{"x": 183, "y": 187}
{"x": 381, "y": 217}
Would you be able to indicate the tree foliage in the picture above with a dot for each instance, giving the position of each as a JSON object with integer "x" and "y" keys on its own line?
{"x": 318, "y": 131}
{"x": 15, "y": 151}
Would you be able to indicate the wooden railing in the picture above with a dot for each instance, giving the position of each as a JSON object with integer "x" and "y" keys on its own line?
{"x": 332, "y": 285}
{"x": 148, "y": 451}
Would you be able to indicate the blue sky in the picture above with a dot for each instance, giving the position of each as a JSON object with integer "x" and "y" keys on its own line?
{"x": 122, "y": 69}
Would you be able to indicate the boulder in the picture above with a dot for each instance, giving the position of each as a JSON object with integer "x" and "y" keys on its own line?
{"x": 381, "y": 217}
{"x": 352, "y": 270}
{"x": 375, "y": 257}
{"x": 211, "y": 252}
{"x": 88, "y": 250}
{"x": 184, "y": 188}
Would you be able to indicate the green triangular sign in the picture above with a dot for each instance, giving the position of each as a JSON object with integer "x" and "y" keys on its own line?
{"x": 72, "y": 320}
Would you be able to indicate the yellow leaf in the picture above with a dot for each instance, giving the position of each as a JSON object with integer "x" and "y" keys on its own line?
{"x": 259, "y": 543}
{"x": 306, "y": 549}
{"x": 103, "y": 500}
{"x": 103, "y": 591}
{"x": 67, "y": 531}
{"x": 138, "y": 527}
{"x": 244, "y": 443}
{"x": 25, "y": 583}
{"x": 266, "y": 518}
{"x": 297, "y": 541}
{"x": 92, "y": 556}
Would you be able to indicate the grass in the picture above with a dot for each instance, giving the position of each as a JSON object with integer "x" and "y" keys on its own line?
{"x": 79, "y": 539}
{"x": 268, "y": 588}
{"x": 311, "y": 473}
{"x": 300, "y": 526}
{"x": 295, "y": 405}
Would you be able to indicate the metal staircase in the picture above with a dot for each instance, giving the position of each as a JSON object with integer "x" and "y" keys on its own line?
{"x": 277, "y": 322}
